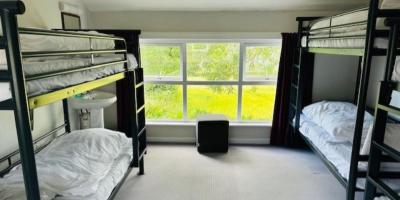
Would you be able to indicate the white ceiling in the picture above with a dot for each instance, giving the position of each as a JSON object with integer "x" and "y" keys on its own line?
{"x": 222, "y": 5}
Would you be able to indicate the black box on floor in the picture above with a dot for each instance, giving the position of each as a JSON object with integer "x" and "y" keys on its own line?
{"x": 212, "y": 133}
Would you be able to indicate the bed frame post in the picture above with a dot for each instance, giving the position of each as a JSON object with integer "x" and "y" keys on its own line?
{"x": 9, "y": 10}
{"x": 381, "y": 115}
{"x": 356, "y": 90}
{"x": 362, "y": 95}
{"x": 66, "y": 115}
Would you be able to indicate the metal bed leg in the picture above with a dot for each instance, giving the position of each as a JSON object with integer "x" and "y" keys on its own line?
{"x": 141, "y": 166}
{"x": 21, "y": 110}
{"x": 66, "y": 115}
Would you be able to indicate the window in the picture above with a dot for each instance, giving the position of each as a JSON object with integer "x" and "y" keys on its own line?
{"x": 189, "y": 78}
{"x": 203, "y": 99}
{"x": 161, "y": 62}
{"x": 212, "y": 61}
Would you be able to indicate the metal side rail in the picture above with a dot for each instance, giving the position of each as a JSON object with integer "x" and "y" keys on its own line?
{"x": 387, "y": 149}
{"x": 383, "y": 188}
{"x": 390, "y": 109}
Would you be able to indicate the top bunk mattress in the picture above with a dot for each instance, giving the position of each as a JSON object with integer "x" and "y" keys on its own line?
{"x": 45, "y": 85}
{"x": 33, "y": 43}
{"x": 360, "y": 15}
{"x": 347, "y": 30}
{"x": 342, "y": 43}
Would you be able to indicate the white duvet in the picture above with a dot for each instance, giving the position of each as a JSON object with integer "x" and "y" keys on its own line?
{"x": 338, "y": 119}
{"x": 339, "y": 154}
{"x": 71, "y": 166}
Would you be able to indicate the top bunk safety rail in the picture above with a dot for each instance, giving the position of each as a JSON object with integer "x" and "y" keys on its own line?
{"x": 337, "y": 27}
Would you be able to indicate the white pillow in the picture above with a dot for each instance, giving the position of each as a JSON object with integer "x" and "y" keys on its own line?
{"x": 317, "y": 111}
{"x": 74, "y": 164}
{"x": 338, "y": 119}
{"x": 392, "y": 138}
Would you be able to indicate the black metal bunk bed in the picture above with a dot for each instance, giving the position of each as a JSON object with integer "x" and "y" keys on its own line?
{"x": 302, "y": 73}
{"x": 383, "y": 109}
{"x": 22, "y": 104}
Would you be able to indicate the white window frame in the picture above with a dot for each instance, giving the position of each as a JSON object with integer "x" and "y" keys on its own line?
{"x": 240, "y": 82}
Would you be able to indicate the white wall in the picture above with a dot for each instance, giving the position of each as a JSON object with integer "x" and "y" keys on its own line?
{"x": 40, "y": 14}
{"x": 202, "y": 21}
{"x": 334, "y": 77}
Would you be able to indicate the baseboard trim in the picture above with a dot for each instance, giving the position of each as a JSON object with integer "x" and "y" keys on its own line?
{"x": 255, "y": 141}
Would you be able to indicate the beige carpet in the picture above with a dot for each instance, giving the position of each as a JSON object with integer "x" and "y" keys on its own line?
{"x": 178, "y": 172}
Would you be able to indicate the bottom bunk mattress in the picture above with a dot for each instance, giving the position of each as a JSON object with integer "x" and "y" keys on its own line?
{"x": 85, "y": 164}
{"x": 338, "y": 153}
{"x": 41, "y": 86}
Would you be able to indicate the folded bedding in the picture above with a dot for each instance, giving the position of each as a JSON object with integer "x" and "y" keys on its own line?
{"x": 74, "y": 165}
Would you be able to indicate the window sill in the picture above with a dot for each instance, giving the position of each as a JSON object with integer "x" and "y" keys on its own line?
{"x": 192, "y": 123}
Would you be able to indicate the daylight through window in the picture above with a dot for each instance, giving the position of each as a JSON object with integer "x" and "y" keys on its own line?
{"x": 186, "y": 79}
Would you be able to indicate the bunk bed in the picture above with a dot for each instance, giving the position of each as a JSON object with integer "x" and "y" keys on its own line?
{"x": 356, "y": 33}
{"x": 41, "y": 67}
{"x": 384, "y": 135}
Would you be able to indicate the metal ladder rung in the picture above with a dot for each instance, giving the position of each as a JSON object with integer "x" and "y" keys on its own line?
{"x": 389, "y": 108}
{"x": 7, "y": 105}
{"x": 387, "y": 149}
{"x": 141, "y": 131}
{"x": 383, "y": 187}
{"x": 140, "y": 109}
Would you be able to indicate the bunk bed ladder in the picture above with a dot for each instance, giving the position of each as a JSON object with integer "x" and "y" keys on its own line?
{"x": 140, "y": 118}
{"x": 383, "y": 108}
{"x": 19, "y": 103}
{"x": 295, "y": 82}
{"x": 303, "y": 65}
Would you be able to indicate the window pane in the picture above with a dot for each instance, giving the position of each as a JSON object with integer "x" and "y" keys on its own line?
{"x": 258, "y": 102}
{"x": 213, "y": 61}
{"x": 262, "y": 62}
{"x": 212, "y": 100}
{"x": 163, "y": 101}
{"x": 161, "y": 62}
